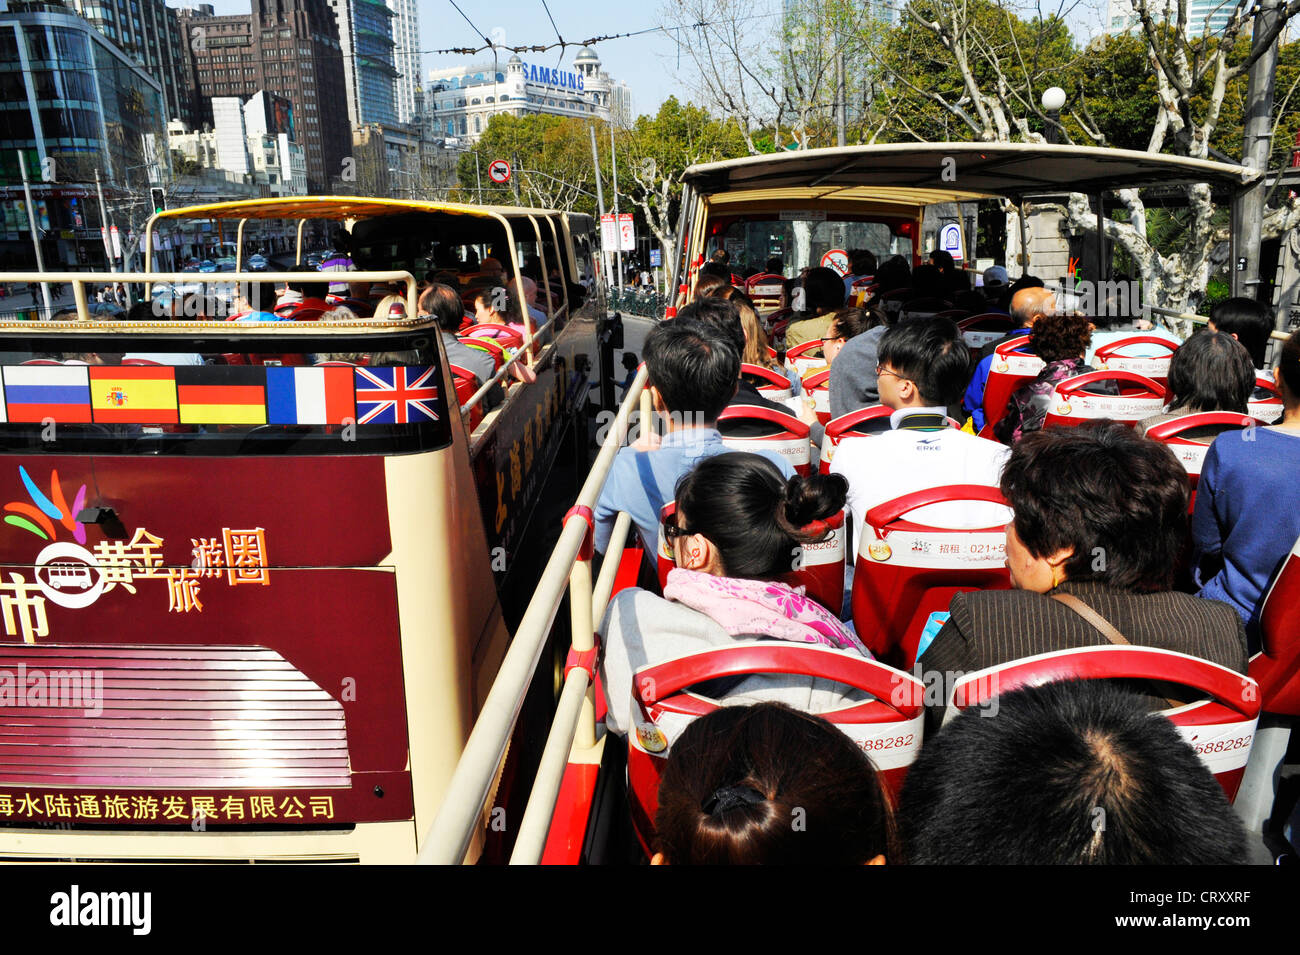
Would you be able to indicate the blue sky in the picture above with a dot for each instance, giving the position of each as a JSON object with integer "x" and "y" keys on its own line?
{"x": 645, "y": 62}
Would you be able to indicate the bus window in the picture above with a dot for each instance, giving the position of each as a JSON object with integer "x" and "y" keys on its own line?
{"x": 801, "y": 240}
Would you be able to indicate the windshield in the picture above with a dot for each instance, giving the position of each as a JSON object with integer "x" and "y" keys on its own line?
{"x": 805, "y": 238}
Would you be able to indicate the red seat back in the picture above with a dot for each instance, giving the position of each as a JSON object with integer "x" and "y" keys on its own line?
{"x": 979, "y": 330}
{"x": 1073, "y": 402}
{"x": 308, "y": 313}
{"x": 1010, "y": 369}
{"x": 466, "y": 384}
{"x": 861, "y": 290}
{"x": 817, "y": 386}
{"x": 140, "y": 361}
{"x": 888, "y": 727}
{"x": 1220, "y": 729}
{"x": 862, "y": 423}
{"x": 787, "y": 435}
{"x": 1265, "y": 408}
{"x": 906, "y": 571}
{"x": 801, "y": 359}
{"x": 1277, "y": 666}
{"x": 765, "y": 290}
{"x": 770, "y": 384}
{"x": 1108, "y": 357}
{"x": 1191, "y": 454}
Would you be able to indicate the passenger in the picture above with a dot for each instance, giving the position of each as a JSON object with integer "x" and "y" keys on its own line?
{"x": 241, "y": 310}
{"x": 1248, "y": 503}
{"x": 492, "y": 303}
{"x": 862, "y": 265}
{"x": 1078, "y": 772}
{"x": 775, "y": 266}
{"x": 445, "y": 305}
{"x": 724, "y": 317}
{"x": 893, "y": 274}
{"x": 955, "y": 280}
{"x": 736, "y": 531}
{"x": 930, "y": 293}
{"x": 1247, "y": 321}
{"x": 923, "y": 366}
{"x": 823, "y": 293}
{"x": 708, "y": 284}
{"x": 1027, "y": 306}
{"x": 851, "y": 347}
{"x": 1209, "y": 372}
{"x": 1119, "y": 316}
{"x": 995, "y": 284}
{"x": 737, "y": 778}
{"x": 693, "y": 370}
{"x": 538, "y": 315}
{"x": 1060, "y": 340}
{"x": 1100, "y": 518}
{"x": 756, "y": 344}
{"x": 310, "y": 302}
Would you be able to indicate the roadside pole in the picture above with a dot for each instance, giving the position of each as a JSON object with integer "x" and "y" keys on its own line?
{"x": 600, "y": 203}
{"x": 36, "y": 239}
{"x": 618, "y": 246}
{"x": 105, "y": 225}
{"x": 1255, "y": 151}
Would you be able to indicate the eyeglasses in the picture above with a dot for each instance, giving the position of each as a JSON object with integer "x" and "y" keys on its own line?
{"x": 882, "y": 370}
{"x": 673, "y": 530}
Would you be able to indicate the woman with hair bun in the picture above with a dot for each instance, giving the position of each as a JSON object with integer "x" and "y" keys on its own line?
{"x": 736, "y": 531}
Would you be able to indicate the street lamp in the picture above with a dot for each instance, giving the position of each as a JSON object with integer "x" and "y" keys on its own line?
{"x": 1053, "y": 101}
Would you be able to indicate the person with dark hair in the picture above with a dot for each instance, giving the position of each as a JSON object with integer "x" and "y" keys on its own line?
{"x": 1209, "y": 372}
{"x": 444, "y": 304}
{"x": 721, "y": 257}
{"x": 1100, "y": 519}
{"x": 736, "y": 530}
{"x": 1077, "y": 772}
{"x": 1028, "y": 305}
{"x": 922, "y": 369}
{"x": 862, "y": 265}
{"x": 1246, "y": 320}
{"x": 823, "y": 293}
{"x": 715, "y": 269}
{"x": 954, "y": 279}
{"x": 851, "y": 346}
{"x": 308, "y": 298}
{"x": 693, "y": 369}
{"x": 723, "y": 315}
{"x": 736, "y": 780}
{"x": 930, "y": 293}
{"x": 1059, "y": 340}
{"x": 709, "y": 284}
{"x": 1247, "y": 515}
{"x": 774, "y": 265}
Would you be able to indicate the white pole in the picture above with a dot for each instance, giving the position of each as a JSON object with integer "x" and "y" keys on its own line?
{"x": 618, "y": 230}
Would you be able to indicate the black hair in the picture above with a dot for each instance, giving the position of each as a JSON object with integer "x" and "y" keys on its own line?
{"x": 1288, "y": 363}
{"x": 752, "y": 514}
{"x": 717, "y": 313}
{"x": 823, "y": 290}
{"x": 1067, "y": 773}
{"x": 444, "y": 304}
{"x": 943, "y": 259}
{"x": 930, "y": 352}
{"x": 1118, "y": 499}
{"x": 709, "y": 284}
{"x": 851, "y": 322}
{"x": 310, "y": 289}
{"x": 721, "y": 255}
{"x": 767, "y": 784}
{"x": 714, "y": 267}
{"x": 694, "y": 367}
{"x": 928, "y": 282}
{"x": 1211, "y": 371}
{"x": 774, "y": 265}
{"x": 1249, "y": 320}
{"x": 1060, "y": 335}
{"x": 862, "y": 262}
{"x": 894, "y": 273}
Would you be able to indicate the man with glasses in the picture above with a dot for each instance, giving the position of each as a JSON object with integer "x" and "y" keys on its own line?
{"x": 923, "y": 368}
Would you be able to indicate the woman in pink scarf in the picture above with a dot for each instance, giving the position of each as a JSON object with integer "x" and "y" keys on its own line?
{"x": 736, "y": 531}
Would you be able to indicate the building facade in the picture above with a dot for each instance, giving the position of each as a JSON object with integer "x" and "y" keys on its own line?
{"x": 369, "y": 74}
{"x": 72, "y": 104}
{"x": 406, "y": 36}
{"x": 149, "y": 31}
{"x": 287, "y": 47}
{"x": 1204, "y": 17}
{"x": 461, "y": 101}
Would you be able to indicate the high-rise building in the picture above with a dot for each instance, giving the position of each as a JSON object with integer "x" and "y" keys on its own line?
{"x": 72, "y": 104}
{"x": 463, "y": 100}
{"x": 406, "y": 36}
{"x": 290, "y": 48}
{"x": 149, "y": 31}
{"x": 1204, "y": 17}
{"x": 369, "y": 75}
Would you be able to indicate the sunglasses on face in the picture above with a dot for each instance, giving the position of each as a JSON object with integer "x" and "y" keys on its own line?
{"x": 673, "y": 529}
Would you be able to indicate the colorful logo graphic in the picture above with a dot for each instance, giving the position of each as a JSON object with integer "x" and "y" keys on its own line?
{"x": 39, "y": 519}
{"x": 117, "y": 397}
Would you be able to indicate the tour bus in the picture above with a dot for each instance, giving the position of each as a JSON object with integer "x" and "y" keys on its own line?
{"x": 593, "y": 798}
{"x": 258, "y": 574}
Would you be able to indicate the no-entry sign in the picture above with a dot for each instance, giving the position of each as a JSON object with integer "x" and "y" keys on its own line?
{"x": 499, "y": 171}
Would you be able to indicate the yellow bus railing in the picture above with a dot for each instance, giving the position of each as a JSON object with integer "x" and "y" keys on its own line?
{"x": 574, "y": 726}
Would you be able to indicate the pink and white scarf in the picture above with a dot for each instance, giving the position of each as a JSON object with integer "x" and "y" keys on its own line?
{"x": 761, "y": 607}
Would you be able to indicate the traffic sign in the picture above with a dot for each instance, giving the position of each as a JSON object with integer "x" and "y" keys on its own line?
{"x": 499, "y": 171}
{"x": 838, "y": 260}
{"x": 656, "y": 258}
{"x": 950, "y": 240}
{"x": 608, "y": 232}
{"x": 627, "y": 235}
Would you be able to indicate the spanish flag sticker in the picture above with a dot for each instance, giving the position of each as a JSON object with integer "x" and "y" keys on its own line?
{"x": 133, "y": 394}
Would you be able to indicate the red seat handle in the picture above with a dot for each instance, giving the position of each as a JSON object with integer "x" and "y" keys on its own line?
{"x": 846, "y": 422}
{"x": 882, "y": 515}
{"x": 1012, "y": 345}
{"x": 757, "y": 412}
{"x": 1072, "y": 386}
{"x": 1108, "y": 350}
{"x": 1173, "y": 428}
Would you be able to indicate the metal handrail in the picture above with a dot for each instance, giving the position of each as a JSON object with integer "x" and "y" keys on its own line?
{"x": 453, "y": 828}
{"x": 524, "y": 347}
{"x": 1171, "y": 313}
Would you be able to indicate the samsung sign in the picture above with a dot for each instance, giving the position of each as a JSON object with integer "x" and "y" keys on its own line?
{"x": 549, "y": 77}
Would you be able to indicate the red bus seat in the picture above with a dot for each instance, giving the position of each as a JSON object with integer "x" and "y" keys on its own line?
{"x": 861, "y": 290}
{"x": 888, "y": 728}
{"x": 489, "y": 345}
{"x": 765, "y": 290}
{"x": 1191, "y": 454}
{"x": 906, "y": 571}
{"x": 466, "y": 384}
{"x": 1221, "y": 729}
{"x": 863, "y": 423}
{"x": 1073, "y": 402}
{"x": 1266, "y": 403}
{"x": 770, "y": 384}
{"x": 1277, "y": 666}
{"x": 802, "y": 361}
{"x": 821, "y": 564}
{"x": 817, "y": 386}
{"x": 783, "y": 433}
{"x": 42, "y": 361}
{"x": 1011, "y": 368}
{"x": 979, "y": 330}
{"x": 1108, "y": 357}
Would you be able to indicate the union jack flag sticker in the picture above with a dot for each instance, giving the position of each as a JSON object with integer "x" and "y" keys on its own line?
{"x": 399, "y": 395}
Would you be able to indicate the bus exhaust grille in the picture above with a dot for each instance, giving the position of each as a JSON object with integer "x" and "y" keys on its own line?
{"x": 164, "y": 717}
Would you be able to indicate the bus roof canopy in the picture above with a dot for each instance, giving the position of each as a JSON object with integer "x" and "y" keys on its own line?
{"x": 333, "y": 207}
{"x": 918, "y": 173}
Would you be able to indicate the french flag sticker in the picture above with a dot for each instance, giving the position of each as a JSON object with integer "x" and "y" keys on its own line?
{"x": 321, "y": 395}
